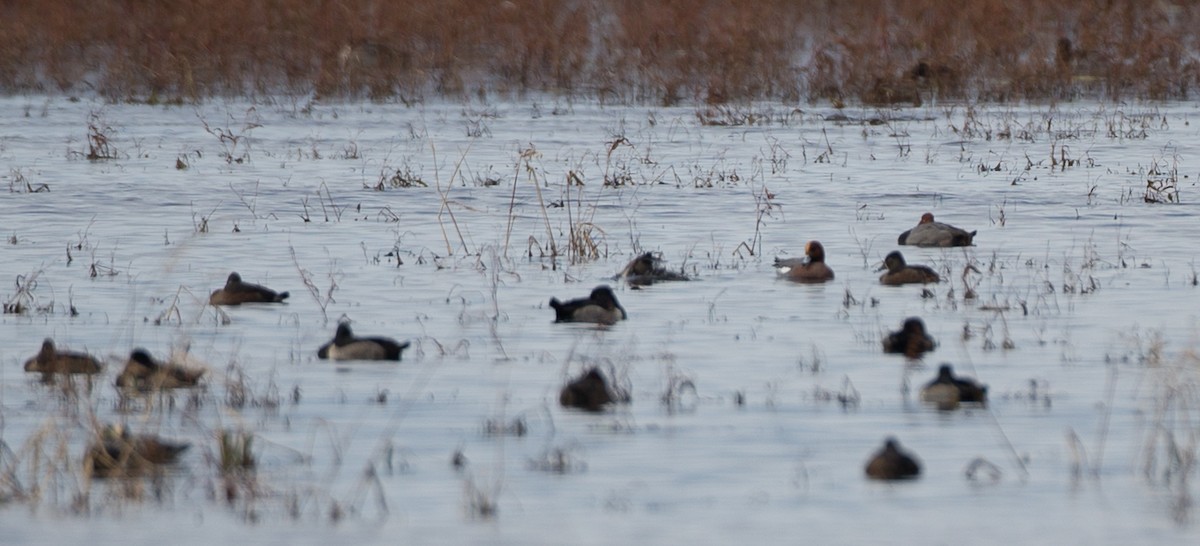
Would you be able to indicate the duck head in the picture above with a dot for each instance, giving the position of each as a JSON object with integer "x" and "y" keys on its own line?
{"x": 343, "y": 334}
{"x": 814, "y": 251}
{"x": 914, "y": 326}
{"x": 604, "y": 297}
{"x": 142, "y": 357}
{"x": 894, "y": 261}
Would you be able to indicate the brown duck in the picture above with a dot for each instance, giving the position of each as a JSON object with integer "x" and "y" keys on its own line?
{"x": 647, "y": 269}
{"x": 588, "y": 392}
{"x": 899, "y": 272}
{"x": 50, "y": 360}
{"x": 143, "y": 372}
{"x": 810, "y": 269}
{"x": 119, "y": 454}
{"x": 237, "y": 292}
{"x": 891, "y": 463}
{"x": 911, "y": 339}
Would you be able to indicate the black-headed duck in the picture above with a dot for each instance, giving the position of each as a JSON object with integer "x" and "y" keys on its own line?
{"x": 118, "y": 454}
{"x": 891, "y": 463}
{"x": 899, "y": 272}
{"x": 810, "y": 269}
{"x": 345, "y": 346}
{"x": 948, "y": 390}
{"x": 50, "y": 360}
{"x": 600, "y": 307}
{"x": 911, "y": 339}
{"x": 931, "y": 233}
{"x": 237, "y": 292}
{"x": 588, "y": 392}
{"x": 144, "y": 373}
{"x": 647, "y": 269}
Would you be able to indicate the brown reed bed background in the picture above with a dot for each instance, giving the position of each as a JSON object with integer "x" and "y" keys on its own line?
{"x": 625, "y": 51}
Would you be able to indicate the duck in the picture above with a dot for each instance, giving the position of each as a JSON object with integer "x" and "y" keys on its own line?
{"x": 911, "y": 339}
{"x": 647, "y": 269}
{"x": 344, "y": 346}
{"x": 891, "y": 463}
{"x": 947, "y": 391}
{"x": 810, "y": 269}
{"x": 587, "y": 392}
{"x": 50, "y": 360}
{"x": 899, "y": 272}
{"x": 119, "y": 454}
{"x": 930, "y": 233}
{"x": 237, "y": 292}
{"x": 600, "y": 307}
{"x": 143, "y": 372}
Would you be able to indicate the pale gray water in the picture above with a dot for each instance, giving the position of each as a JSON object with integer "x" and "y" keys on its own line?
{"x": 786, "y": 467}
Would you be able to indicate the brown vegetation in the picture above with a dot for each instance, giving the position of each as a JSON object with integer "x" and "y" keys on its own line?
{"x": 663, "y": 51}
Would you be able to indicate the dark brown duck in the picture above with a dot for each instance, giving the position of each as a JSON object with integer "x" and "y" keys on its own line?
{"x": 588, "y": 392}
{"x": 144, "y": 372}
{"x": 911, "y": 339}
{"x": 647, "y": 269}
{"x": 237, "y": 292}
{"x": 50, "y": 360}
{"x": 892, "y": 463}
{"x": 899, "y": 272}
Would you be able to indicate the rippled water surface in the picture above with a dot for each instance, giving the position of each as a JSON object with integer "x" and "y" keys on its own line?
{"x": 1083, "y": 320}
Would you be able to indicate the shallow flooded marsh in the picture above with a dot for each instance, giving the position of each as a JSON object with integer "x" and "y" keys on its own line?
{"x": 754, "y": 402}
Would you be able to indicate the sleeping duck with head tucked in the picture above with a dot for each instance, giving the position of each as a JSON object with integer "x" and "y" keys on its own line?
{"x": 932, "y": 233}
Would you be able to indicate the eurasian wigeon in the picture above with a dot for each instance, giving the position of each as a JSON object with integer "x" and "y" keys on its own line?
{"x": 647, "y": 269}
{"x": 588, "y": 392}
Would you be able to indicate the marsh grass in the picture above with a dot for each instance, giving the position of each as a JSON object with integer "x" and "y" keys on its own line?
{"x": 558, "y": 460}
{"x": 18, "y": 182}
{"x": 664, "y": 52}
{"x": 680, "y": 393}
{"x": 99, "y": 138}
{"x": 234, "y": 136}
{"x": 1162, "y": 180}
{"x": 322, "y": 299}
{"x": 24, "y": 298}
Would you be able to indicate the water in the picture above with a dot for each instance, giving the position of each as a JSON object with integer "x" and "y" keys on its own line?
{"x": 1082, "y": 324}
